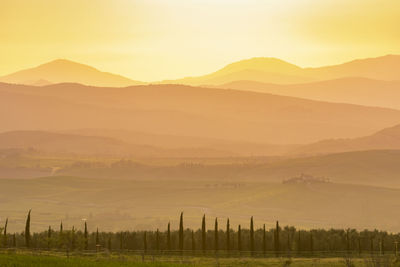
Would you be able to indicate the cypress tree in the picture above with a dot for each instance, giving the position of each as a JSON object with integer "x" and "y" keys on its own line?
{"x": 48, "y": 237}
{"x": 203, "y": 233}
{"x": 193, "y": 242}
{"x": 86, "y": 237}
{"x": 61, "y": 228}
{"x": 181, "y": 232}
{"x": 169, "y": 236}
{"x": 28, "y": 230}
{"x": 228, "y": 243}
{"x": 264, "y": 241}
{"x": 251, "y": 236}
{"x": 216, "y": 235}
{"x": 5, "y": 233}
{"x": 239, "y": 238}
{"x": 145, "y": 241}
{"x": 157, "y": 240}
{"x": 276, "y": 239}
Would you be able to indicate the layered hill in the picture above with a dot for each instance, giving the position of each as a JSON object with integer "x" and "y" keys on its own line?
{"x": 61, "y": 71}
{"x": 272, "y": 70}
{"x": 361, "y": 91}
{"x": 388, "y": 138}
{"x": 188, "y": 111}
{"x": 79, "y": 145}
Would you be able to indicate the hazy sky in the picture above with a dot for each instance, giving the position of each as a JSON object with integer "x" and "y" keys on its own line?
{"x": 160, "y": 39}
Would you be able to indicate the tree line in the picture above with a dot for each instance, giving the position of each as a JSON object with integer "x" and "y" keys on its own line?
{"x": 219, "y": 237}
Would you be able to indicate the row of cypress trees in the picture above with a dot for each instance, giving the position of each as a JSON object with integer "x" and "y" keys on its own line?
{"x": 255, "y": 241}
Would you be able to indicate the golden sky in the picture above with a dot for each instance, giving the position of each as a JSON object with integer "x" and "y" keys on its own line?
{"x": 165, "y": 39}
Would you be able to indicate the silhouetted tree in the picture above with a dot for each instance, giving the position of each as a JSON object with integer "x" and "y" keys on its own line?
{"x": 5, "y": 233}
{"x": 239, "y": 238}
{"x": 86, "y": 237}
{"x": 28, "y": 230}
{"x": 264, "y": 241}
{"x": 228, "y": 243}
{"x": 216, "y": 235}
{"x": 181, "y": 232}
{"x": 203, "y": 233}
{"x": 48, "y": 237}
{"x": 276, "y": 239}
{"x": 169, "y": 236}
{"x": 251, "y": 236}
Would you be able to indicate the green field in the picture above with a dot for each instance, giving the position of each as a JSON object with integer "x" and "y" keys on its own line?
{"x": 23, "y": 258}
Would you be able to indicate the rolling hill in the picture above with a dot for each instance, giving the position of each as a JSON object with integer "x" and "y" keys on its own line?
{"x": 360, "y": 91}
{"x": 388, "y": 138}
{"x": 188, "y": 111}
{"x": 114, "y": 205}
{"x": 62, "y": 71}
{"x": 272, "y": 70}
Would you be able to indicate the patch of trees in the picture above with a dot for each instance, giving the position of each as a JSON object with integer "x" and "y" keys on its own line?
{"x": 217, "y": 236}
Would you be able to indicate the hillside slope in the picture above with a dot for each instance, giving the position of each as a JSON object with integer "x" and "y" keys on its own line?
{"x": 61, "y": 71}
{"x": 188, "y": 111}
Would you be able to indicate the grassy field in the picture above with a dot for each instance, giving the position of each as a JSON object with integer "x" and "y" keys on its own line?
{"x": 23, "y": 258}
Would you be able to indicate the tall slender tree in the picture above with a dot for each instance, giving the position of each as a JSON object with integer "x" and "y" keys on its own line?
{"x": 239, "y": 238}
{"x": 169, "y": 236}
{"x": 216, "y": 235}
{"x": 348, "y": 240}
{"x": 251, "y": 236}
{"x": 311, "y": 243}
{"x": 228, "y": 241}
{"x": 181, "y": 232}
{"x": 28, "y": 230}
{"x": 276, "y": 239}
{"x": 203, "y": 234}
{"x": 5, "y": 233}
{"x": 85, "y": 234}
{"x": 264, "y": 241}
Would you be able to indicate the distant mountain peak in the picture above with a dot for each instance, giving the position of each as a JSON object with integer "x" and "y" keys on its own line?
{"x": 67, "y": 71}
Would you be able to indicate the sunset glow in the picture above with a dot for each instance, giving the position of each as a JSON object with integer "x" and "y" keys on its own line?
{"x": 158, "y": 39}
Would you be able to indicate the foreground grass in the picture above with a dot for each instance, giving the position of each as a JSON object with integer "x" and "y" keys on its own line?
{"x": 24, "y": 258}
